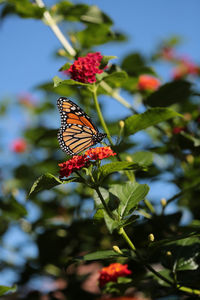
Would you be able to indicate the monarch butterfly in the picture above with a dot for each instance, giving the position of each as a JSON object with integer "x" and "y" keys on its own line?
{"x": 77, "y": 131}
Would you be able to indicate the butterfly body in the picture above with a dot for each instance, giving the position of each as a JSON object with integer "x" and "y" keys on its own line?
{"x": 77, "y": 131}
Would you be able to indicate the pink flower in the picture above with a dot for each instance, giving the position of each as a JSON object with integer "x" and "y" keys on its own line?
{"x": 19, "y": 145}
{"x": 148, "y": 83}
{"x": 85, "y": 68}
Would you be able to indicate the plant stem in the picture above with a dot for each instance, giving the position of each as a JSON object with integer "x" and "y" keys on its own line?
{"x": 149, "y": 205}
{"x": 125, "y": 236}
{"x": 52, "y": 24}
{"x": 188, "y": 290}
{"x": 114, "y": 94}
{"x": 103, "y": 202}
{"x": 94, "y": 92}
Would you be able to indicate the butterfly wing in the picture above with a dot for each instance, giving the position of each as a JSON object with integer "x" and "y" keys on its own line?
{"x": 77, "y": 131}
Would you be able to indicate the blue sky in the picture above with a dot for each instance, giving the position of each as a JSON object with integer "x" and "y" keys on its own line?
{"x": 27, "y": 46}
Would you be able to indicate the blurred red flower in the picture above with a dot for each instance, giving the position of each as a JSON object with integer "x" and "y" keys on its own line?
{"x": 112, "y": 272}
{"x": 27, "y": 100}
{"x": 99, "y": 153}
{"x": 178, "y": 129}
{"x": 167, "y": 53}
{"x": 77, "y": 162}
{"x": 185, "y": 67}
{"x": 19, "y": 145}
{"x": 148, "y": 83}
{"x": 85, "y": 68}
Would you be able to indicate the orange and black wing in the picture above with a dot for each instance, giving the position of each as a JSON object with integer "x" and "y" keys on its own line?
{"x": 77, "y": 130}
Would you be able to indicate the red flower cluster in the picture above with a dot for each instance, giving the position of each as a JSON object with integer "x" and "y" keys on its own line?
{"x": 77, "y": 162}
{"x": 112, "y": 272}
{"x": 85, "y": 68}
{"x": 148, "y": 83}
{"x": 19, "y": 145}
{"x": 100, "y": 153}
{"x": 185, "y": 67}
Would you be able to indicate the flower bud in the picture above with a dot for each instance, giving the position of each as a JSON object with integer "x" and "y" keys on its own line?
{"x": 117, "y": 250}
{"x": 151, "y": 237}
{"x": 190, "y": 158}
{"x": 163, "y": 202}
{"x": 129, "y": 158}
{"x": 121, "y": 124}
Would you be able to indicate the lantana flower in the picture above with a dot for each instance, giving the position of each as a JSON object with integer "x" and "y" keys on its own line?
{"x": 85, "y": 68}
{"x": 148, "y": 83}
{"x": 99, "y": 153}
{"x": 112, "y": 272}
{"x": 184, "y": 68}
{"x": 19, "y": 145}
{"x": 78, "y": 162}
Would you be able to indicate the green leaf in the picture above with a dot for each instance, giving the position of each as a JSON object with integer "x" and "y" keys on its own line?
{"x": 170, "y": 93}
{"x": 97, "y": 34}
{"x": 142, "y": 158}
{"x": 105, "y": 60}
{"x": 185, "y": 253}
{"x": 68, "y": 11}
{"x": 95, "y": 16}
{"x": 110, "y": 223}
{"x": 116, "y": 78}
{"x": 65, "y": 67}
{"x": 44, "y": 182}
{"x": 106, "y": 254}
{"x": 65, "y": 90}
{"x": 149, "y": 118}
{"x": 58, "y": 81}
{"x": 23, "y": 8}
{"x": 97, "y": 200}
{"x": 110, "y": 168}
{"x": 5, "y": 289}
{"x": 101, "y": 255}
{"x": 130, "y": 194}
{"x": 134, "y": 64}
{"x": 167, "y": 274}
{"x": 47, "y": 182}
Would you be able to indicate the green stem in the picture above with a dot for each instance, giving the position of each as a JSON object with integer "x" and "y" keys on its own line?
{"x": 188, "y": 290}
{"x": 94, "y": 92}
{"x": 125, "y": 236}
{"x": 149, "y": 205}
{"x": 103, "y": 202}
